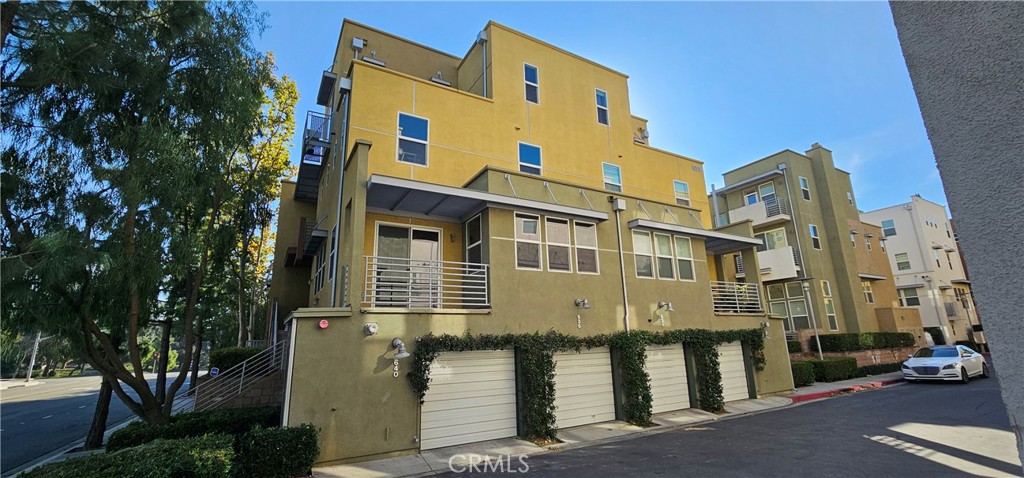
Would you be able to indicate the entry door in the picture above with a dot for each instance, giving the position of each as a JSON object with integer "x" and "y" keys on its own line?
{"x": 408, "y": 272}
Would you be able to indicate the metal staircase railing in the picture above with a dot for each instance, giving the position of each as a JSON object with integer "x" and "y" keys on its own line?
{"x": 233, "y": 381}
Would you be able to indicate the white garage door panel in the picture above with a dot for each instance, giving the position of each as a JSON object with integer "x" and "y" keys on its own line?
{"x": 583, "y": 388}
{"x": 472, "y": 397}
{"x": 734, "y": 372}
{"x": 666, "y": 366}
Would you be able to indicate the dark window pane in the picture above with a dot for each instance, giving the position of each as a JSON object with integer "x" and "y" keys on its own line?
{"x": 602, "y": 116}
{"x": 412, "y": 152}
{"x": 644, "y": 266}
{"x": 473, "y": 231}
{"x": 665, "y": 268}
{"x": 412, "y": 127}
{"x": 531, "y": 94}
{"x": 613, "y": 187}
{"x": 586, "y": 260}
{"x": 602, "y": 99}
{"x": 685, "y": 269}
{"x": 558, "y": 258}
{"x": 529, "y": 169}
{"x": 530, "y": 73}
{"x": 474, "y": 254}
{"x": 528, "y": 255}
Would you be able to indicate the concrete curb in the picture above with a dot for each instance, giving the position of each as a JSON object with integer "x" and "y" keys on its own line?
{"x": 852, "y": 388}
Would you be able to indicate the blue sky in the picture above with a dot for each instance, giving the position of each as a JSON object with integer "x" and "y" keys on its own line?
{"x": 726, "y": 83}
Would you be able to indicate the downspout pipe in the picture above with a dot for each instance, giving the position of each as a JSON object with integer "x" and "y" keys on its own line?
{"x": 481, "y": 38}
{"x": 618, "y": 205}
{"x": 341, "y": 176}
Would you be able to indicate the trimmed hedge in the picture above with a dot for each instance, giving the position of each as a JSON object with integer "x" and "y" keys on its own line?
{"x": 228, "y": 357}
{"x": 231, "y": 421}
{"x": 936, "y": 333}
{"x": 803, "y": 373}
{"x": 863, "y": 341}
{"x": 208, "y": 456}
{"x": 879, "y": 368}
{"x": 276, "y": 452}
{"x": 794, "y": 346}
{"x": 833, "y": 369}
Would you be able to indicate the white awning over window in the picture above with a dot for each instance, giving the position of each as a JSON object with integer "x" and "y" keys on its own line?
{"x": 715, "y": 242}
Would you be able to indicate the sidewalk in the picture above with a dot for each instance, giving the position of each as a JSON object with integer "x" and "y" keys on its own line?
{"x": 432, "y": 462}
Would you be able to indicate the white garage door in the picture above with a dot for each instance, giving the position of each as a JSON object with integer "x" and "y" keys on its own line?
{"x": 583, "y": 388}
{"x": 734, "y": 373}
{"x": 667, "y": 369}
{"x": 472, "y": 397}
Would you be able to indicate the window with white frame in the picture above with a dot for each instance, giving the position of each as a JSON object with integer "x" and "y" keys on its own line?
{"x": 527, "y": 241}
{"x": 815, "y": 239}
{"x": 902, "y": 261}
{"x": 805, "y": 188}
{"x": 612, "y": 177}
{"x": 773, "y": 239}
{"x": 413, "y": 134}
{"x": 602, "y": 107}
{"x": 767, "y": 192}
{"x": 529, "y": 158}
{"x": 332, "y": 258}
{"x": 684, "y": 258}
{"x": 474, "y": 242}
{"x": 531, "y": 78}
{"x": 558, "y": 245}
{"x": 849, "y": 197}
{"x": 750, "y": 198}
{"x": 938, "y": 262}
{"x": 663, "y": 252}
{"x": 888, "y": 227}
{"x": 908, "y": 297}
{"x": 869, "y": 295}
{"x": 867, "y": 242}
{"x": 853, "y": 239}
{"x": 826, "y": 288}
{"x": 949, "y": 260}
{"x": 643, "y": 254}
{"x": 318, "y": 278}
{"x": 586, "y": 247}
{"x": 830, "y": 312}
{"x": 682, "y": 191}
{"x": 881, "y": 242}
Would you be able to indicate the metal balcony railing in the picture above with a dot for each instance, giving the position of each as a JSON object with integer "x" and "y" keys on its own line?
{"x": 415, "y": 283}
{"x": 951, "y": 310}
{"x": 736, "y": 297}
{"x": 775, "y": 207}
{"x": 232, "y": 382}
{"x": 318, "y": 126}
{"x": 739, "y": 265}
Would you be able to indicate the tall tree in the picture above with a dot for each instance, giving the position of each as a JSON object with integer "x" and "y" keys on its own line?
{"x": 136, "y": 113}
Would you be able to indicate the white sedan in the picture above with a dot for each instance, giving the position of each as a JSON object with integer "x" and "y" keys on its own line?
{"x": 945, "y": 362}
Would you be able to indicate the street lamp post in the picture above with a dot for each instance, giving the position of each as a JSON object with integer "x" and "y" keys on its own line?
{"x": 814, "y": 323}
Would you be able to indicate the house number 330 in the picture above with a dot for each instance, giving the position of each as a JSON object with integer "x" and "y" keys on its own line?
{"x": 395, "y": 368}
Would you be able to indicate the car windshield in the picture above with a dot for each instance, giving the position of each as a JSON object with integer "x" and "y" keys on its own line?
{"x": 936, "y": 352}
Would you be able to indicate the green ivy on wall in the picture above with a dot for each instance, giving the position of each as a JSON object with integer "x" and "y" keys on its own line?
{"x": 536, "y": 367}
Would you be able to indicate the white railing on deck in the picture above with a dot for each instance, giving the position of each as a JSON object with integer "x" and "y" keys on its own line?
{"x": 736, "y": 297}
{"x": 415, "y": 283}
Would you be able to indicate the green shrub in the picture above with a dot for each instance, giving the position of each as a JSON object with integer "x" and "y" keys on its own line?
{"x": 879, "y": 369}
{"x": 834, "y": 368}
{"x": 228, "y": 357}
{"x": 230, "y": 421}
{"x": 936, "y": 334}
{"x": 862, "y": 341}
{"x": 276, "y": 452}
{"x": 199, "y": 457}
{"x": 803, "y": 373}
{"x": 794, "y": 346}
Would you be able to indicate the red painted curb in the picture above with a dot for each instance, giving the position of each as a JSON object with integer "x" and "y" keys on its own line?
{"x": 852, "y": 388}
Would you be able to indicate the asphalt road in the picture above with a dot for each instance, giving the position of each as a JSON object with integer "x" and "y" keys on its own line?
{"x": 37, "y": 420}
{"x": 926, "y": 429}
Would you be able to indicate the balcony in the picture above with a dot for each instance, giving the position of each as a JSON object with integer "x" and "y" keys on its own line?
{"x": 316, "y": 145}
{"x": 761, "y": 213}
{"x": 779, "y": 263}
{"x": 425, "y": 284}
{"x": 736, "y": 298}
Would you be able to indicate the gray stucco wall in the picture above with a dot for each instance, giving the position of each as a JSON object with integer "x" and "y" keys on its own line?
{"x": 966, "y": 62}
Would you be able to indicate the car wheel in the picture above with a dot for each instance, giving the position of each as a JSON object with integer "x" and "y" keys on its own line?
{"x": 984, "y": 371}
{"x": 964, "y": 378}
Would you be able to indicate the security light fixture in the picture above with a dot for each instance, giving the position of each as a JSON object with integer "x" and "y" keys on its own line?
{"x": 666, "y": 305}
{"x": 397, "y": 343}
{"x": 582, "y": 303}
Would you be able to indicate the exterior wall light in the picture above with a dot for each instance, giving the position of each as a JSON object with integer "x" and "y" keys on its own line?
{"x": 583, "y": 303}
{"x": 397, "y": 343}
{"x": 666, "y": 305}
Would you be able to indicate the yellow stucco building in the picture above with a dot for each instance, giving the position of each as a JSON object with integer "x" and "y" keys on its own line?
{"x": 507, "y": 191}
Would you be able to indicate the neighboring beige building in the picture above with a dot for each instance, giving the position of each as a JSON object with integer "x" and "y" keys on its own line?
{"x": 804, "y": 209}
{"x": 507, "y": 191}
{"x": 877, "y": 283}
{"x": 927, "y": 266}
